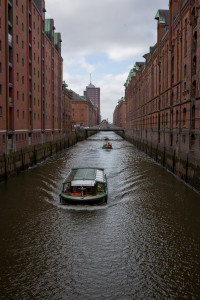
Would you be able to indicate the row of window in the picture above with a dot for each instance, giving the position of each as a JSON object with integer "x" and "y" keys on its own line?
{"x": 18, "y": 78}
{"x": 22, "y": 8}
{"x": 18, "y": 114}
{"x": 23, "y": 115}
{"x": 17, "y": 56}
{"x": 38, "y": 29}
{"x": 17, "y": 42}
{"x": 20, "y": 137}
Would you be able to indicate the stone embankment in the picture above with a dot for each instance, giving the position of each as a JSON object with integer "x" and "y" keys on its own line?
{"x": 16, "y": 162}
{"x": 183, "y": 165}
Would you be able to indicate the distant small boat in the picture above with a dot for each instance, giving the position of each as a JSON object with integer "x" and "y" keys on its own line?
{"x": 106, "y": 138}
{"x": 107, "y": 146}
{"x": 84, "y": 186}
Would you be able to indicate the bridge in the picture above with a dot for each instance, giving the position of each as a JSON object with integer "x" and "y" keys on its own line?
{"x": 107, "y": 127}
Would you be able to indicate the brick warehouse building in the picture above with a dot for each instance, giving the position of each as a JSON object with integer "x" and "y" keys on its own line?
{"x": 119, "y": 115}
{"x": 84, "y": 112}
{"x": 30, "y": 76}
{"x": 66, "y": 111}
{"x": 163, "y": 93}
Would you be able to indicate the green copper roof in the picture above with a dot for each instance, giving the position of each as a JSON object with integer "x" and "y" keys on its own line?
{"x": 121, "y": 100}
{"x": 137, "y": 67}
{"x": 47, "y": 25}
{"x": 130, "y": 75}
{"x": 162, "y": 16}
{"x": 56, "y": 38}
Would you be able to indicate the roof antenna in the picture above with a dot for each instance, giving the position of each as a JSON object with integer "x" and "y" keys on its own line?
{"x": 90, "y": 79}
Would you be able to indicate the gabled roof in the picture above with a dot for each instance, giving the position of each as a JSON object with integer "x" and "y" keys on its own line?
{"x": 121, "y": 100}
{"x": 138, "y": 65}
{"x": 163, "y": 16}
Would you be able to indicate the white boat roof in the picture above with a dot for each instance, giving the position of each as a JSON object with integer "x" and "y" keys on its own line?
{"x": 87, "y": 176}
{"x": 83, "y": 183}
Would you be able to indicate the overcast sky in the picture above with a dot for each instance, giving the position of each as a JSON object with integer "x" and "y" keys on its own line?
{"x": 104, "y": 38}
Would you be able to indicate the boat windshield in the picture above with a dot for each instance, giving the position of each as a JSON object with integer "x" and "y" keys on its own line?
{"x": 84, "y": 189}
{"x": 67, "y": 188}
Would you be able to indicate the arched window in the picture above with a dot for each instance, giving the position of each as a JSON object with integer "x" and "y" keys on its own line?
{"x": 177, "y": 118}
{"x": 185, "y": 70}
{"x": 193, "y": 89}
{"x": 171, "y": 121}
{"x": 185, "y": 38}
{"x": 193, "y": 117}
{"x": 194, "y": 63}
{"x": 184, "y": 116}
{"x": 166, "y": 120}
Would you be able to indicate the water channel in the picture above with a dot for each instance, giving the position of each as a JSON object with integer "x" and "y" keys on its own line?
{"x": 143, "y": 244}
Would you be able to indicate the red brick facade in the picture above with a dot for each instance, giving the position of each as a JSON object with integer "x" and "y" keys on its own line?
{"x": 30, "y": 76}
{"x": 163, "y": 93}
{"x": 66, "y": 111}
{"x": 84, "y": 112}
{"x": 3, "y": 76}
{"x": 119, "y": 115}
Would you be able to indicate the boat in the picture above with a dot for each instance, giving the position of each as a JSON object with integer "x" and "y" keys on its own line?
{"x": 107, "y": 146}
{"x": 106, "y": 138}
{"x": 84, "y": 186}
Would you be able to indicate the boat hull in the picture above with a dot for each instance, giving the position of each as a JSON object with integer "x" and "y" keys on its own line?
{"x": 107, "y": 146}
{"x": 93, "y": 200}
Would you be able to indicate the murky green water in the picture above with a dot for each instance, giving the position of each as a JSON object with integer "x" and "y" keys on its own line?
{"x": 144, "y": 244}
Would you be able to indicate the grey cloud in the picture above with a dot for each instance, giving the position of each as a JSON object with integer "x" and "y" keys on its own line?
{"x": 88, "y": 26}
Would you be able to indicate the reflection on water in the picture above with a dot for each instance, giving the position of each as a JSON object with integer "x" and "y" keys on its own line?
{"x": 144, "y": 244}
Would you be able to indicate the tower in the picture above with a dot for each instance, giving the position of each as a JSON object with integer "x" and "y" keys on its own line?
{"x": 93, "y": 93}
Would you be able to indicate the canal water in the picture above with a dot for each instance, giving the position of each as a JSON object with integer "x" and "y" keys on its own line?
{"x": 143, "y": 244}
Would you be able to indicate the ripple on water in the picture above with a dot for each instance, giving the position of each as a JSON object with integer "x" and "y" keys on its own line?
{"x": 143, "y": 244}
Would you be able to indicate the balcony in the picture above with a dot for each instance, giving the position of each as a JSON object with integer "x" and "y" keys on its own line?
{"x": 9, "y": 23}
{"x": 10, "y": 102}
{"x": 10, "y": 39}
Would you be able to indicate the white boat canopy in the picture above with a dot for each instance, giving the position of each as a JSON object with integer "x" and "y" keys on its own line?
{"x": 99, "y": 175}
{"x": 83, "y": 183}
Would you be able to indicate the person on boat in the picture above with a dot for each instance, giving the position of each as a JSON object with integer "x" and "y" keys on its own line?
{"x": 67, "y": 189}
{"x": 82, "y": 191}
{"x": 99, "y": 187}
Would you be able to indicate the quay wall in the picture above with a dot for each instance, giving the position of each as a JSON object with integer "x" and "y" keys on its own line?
{"x": 16, "y": 162}
{"x": 183, "y": 165}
